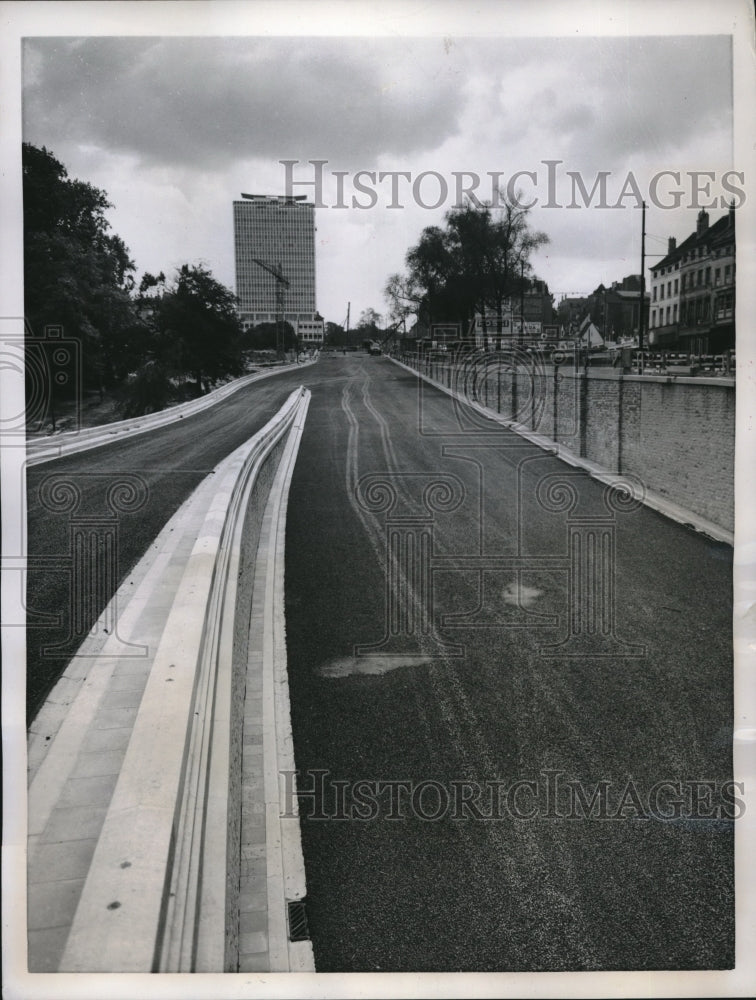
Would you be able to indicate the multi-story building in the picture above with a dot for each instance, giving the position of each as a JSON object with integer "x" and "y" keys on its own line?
{"x": 279, "y": 233}
{"x": 614, "y": 311}
{"x": 537, "y": 303}
{"x": 571, "y": 312}
{"x": 523, "y": 316}
{"x": 618, "y": 310}
{"x": 693, "y": 290}
{"x": 665, "y": 299}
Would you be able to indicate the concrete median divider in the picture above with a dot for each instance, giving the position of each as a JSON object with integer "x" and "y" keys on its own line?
{"x": 46, "y": 449}
{"x": 161, "y": 892}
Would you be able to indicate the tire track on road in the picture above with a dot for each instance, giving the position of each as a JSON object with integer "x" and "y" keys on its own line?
{"x": 462, "y": 723}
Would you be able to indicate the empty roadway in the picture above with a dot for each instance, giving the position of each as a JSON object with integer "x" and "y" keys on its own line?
{"x": 423, "y": 889}
{"x": 164, "y": 466}
{"x": 401, "y": 890}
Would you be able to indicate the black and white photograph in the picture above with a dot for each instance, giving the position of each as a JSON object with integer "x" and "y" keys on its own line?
{"x": 378, "y": 536}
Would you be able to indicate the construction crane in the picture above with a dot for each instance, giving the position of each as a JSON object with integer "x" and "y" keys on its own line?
{"x": 282, "y": 283}
{"x": 391, "y": 332}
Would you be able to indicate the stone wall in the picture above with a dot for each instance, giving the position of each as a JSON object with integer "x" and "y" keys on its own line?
{"x": 676, "y": 434}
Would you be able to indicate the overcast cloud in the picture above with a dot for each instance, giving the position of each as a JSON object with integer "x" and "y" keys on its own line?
{"x": 174, "y": 128}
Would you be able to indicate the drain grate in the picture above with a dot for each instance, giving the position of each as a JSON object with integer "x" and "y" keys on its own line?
{"x": 298, "y": 929}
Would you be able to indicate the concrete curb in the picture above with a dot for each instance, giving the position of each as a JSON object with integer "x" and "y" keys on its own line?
{"x": 154, "y": 842}
{"x": 39, "y": 450}
{"x": 650, "y": 499}
{"x": 285, "y": 860}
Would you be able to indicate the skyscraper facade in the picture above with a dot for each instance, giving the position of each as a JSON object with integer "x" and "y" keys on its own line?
{"x": 278, "y": 232}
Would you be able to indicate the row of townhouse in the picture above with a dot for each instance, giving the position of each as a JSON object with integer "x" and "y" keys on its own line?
{"x": 693, "y": 290}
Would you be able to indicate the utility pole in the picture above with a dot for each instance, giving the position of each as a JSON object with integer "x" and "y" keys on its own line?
{"x": 522, "y": 299}
{"x": 346, "y": 332}
{"x": 641, "y": 320}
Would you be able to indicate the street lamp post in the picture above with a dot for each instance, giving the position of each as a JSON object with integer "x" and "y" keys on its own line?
{"x": 641, "y": 318}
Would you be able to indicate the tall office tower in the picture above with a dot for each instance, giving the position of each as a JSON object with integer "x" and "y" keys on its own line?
{"x": 277, "y": 232}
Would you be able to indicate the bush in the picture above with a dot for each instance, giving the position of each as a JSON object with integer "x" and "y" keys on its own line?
{"x": 148, "y": 390}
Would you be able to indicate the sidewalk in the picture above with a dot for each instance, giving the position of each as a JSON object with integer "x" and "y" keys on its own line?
{"x": 79, "y": 740}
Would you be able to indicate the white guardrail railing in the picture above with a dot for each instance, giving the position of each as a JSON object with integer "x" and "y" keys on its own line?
{"x": 45, "y": 449}
{"x": 171, "y": 809}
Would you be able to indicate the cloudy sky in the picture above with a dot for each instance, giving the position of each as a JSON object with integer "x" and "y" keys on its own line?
{"x": 174, "y": 128}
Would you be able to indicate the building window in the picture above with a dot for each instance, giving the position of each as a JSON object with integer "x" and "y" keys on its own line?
{"x": 654, "y": 293}
{"x": 661, "y": 291}
{"x": 708, "y": 275}
{"x": 717, "y": 275}
{"x": 724, "y": 306}
{"x": 674, "y": 313}
{"x": 653, "y": 317}
{"x": 677, "y": 284}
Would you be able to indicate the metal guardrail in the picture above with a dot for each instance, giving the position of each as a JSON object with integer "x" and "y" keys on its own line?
{"x": 682, "y": 363}
{"x": 642, "y": 362}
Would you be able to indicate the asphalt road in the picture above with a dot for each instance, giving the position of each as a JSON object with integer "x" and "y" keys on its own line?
{"x": 156, "y": 471}
{"x": 537, "y": 881}
{"x": 483, "y": 887}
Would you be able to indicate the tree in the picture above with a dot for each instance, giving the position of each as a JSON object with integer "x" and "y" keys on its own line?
{"x": 77, "y": 275}
{"x": 199, "y": 327}
{"x": 473, "y": 264}
{"x": 369, "y": 323}
{"x": 264, "y": 337}
{"x": 335, "y": 335}
{"x": 152, "y": 284}
{"x": 404, "y": 299}
{"x": 431, "y": 272}
{"x": 508, "y": 259}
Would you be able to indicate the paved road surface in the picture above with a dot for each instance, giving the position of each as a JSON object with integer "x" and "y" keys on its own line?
{"x": 465, "y": 893}
{"x": 546, "y": 893}
{"x": 164, "y": 466}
